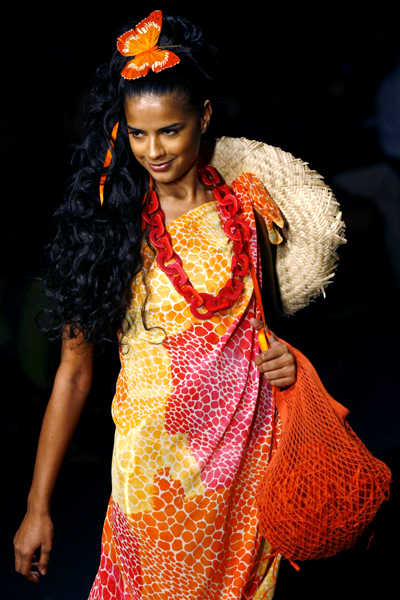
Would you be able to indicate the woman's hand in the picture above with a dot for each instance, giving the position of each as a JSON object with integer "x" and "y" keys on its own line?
{"x": 277, "y": 364}
{"x": 35, "y": 533}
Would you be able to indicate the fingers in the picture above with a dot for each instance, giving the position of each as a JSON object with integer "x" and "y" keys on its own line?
{"x": 280, "y": 378}
{"x": 260, "y": 325}
{"x": 278, "y": 375}
{"x": 28, "y": 566}
{"x": 272, "y": 339}
{"x": 256, "y": 323}
{"x": 276, "y": 352}
{"x": 34, "y": 533}
{"x": 25, "y": 563}
{"x": 263, "y": 333}
{"x": 277, "y": 364}
{"x": 44, "y": 560}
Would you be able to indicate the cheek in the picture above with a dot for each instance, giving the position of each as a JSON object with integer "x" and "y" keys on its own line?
{"x": 191, "y": 145}
{"x": 135, "y": 149}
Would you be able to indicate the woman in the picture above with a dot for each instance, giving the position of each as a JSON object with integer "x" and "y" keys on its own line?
{"x": 193, "y": 417}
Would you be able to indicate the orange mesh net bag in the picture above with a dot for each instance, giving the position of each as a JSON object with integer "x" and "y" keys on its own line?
{"x": 322, "y": 487}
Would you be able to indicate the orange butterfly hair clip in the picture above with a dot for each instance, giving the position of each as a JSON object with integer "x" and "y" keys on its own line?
{"x": 142, "y": 44}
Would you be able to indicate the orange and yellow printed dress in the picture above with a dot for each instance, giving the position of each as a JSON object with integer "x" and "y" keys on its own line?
{"x": 193, "y": 430}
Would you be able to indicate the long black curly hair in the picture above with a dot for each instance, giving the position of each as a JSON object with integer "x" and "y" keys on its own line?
{"x": 95, "y": 251}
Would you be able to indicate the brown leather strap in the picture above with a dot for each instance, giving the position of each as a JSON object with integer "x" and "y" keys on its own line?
{"x": 270, "y": 289}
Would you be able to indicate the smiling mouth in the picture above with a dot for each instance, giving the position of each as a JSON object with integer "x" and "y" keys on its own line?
{"x": 160, "y": 166}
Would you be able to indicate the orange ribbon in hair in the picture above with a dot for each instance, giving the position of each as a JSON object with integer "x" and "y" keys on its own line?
{"x": 107, "y": 162}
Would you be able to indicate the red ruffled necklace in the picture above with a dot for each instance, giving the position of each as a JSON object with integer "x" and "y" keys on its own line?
{"x": 235, "y": 228}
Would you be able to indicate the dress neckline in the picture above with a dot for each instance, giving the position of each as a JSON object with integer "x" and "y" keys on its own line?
{"x": 190, "y": 213}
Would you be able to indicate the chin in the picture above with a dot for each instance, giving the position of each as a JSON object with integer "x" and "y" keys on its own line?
{"x": 168, "y": 176}
{"x": 164, "y": 177}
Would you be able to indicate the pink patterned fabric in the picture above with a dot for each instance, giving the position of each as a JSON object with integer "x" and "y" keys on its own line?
{"x": 193, "y": 431}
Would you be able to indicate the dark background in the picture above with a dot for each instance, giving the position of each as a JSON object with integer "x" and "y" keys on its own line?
{"x": 303, "y": 77}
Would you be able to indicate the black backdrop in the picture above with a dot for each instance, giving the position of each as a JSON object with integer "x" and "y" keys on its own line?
{"x": 300, "y": 76}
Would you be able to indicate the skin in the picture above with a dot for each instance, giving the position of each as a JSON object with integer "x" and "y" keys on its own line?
{"x": 162, "y": 131}
{"x": 277, "y": 364}
{"x": 71, "y": 388}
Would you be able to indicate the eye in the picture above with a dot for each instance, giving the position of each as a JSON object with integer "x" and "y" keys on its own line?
{"x": 136, "y": 134}
{"x": 169, "y": 131}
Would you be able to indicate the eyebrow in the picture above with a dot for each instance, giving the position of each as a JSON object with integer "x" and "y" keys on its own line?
{"x": 161, "y": 128}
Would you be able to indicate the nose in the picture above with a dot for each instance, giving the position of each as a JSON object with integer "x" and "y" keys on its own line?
{"x": 155, "y": 148}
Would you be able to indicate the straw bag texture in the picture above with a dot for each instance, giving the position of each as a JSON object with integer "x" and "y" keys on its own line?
{"x": 307, "y": 260}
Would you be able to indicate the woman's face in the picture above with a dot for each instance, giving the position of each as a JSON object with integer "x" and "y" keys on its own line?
{"x": 164, "y": 135}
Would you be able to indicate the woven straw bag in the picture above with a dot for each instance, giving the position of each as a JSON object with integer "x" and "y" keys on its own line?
{"x": 307, "y": 260}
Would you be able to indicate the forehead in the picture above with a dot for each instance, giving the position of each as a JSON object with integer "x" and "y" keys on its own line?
{"x": 155, "y": 109}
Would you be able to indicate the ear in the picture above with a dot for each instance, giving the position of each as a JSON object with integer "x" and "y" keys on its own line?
{"x": 206, "y": 116}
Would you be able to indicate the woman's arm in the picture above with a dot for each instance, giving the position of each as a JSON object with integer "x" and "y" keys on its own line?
{"x": 71, "y": 388}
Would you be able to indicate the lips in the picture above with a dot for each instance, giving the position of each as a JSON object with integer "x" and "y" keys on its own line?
{"x": 160, "y": 166}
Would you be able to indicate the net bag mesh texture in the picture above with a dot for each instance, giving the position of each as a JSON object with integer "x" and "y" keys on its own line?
{"x": 322, "y": 487}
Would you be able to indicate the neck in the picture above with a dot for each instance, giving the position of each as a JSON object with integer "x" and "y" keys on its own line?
{"x": 187, "y": 188}
{"x": 182, "y": 195}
